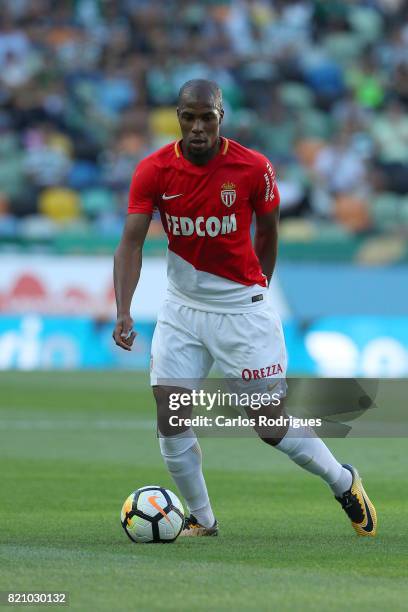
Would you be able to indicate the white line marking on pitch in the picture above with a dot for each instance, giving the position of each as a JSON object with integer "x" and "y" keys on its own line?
{"x": 65, "y": 425}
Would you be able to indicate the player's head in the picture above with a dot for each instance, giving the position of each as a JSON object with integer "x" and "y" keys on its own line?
{"x": 200, "y": 115}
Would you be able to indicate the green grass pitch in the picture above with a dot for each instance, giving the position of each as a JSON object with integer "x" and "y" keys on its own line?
{"x": 74, "y": 445}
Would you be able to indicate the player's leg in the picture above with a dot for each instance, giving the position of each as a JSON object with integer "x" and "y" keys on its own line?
{"x": 265, "y": 357}
{"x": 309, "y": 451}
{"x": 261, "y": 333}
{"x": 179, "y": 359}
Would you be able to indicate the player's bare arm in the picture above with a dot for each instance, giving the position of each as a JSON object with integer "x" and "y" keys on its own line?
{"x": 126, "y": 273}
{"x": 266, "y": 241}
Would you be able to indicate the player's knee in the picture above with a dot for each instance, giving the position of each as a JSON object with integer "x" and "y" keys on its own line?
{"x": 271, "y": 425}
{"x": 270, "y": 441}
{"x": 170, "y": 417}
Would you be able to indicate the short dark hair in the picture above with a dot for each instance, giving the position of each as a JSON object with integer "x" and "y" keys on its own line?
{"x": 202, "y": 88}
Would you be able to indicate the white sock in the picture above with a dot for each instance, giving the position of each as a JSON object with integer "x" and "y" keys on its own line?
{"x": 310, "y": 452}
{"x": 182, "y": 455}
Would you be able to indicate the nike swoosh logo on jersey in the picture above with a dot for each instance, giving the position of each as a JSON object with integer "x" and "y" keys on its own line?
{"x": 170, "y": 197}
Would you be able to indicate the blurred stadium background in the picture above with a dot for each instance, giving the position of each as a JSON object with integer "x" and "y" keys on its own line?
{"x": 88, "y": 88}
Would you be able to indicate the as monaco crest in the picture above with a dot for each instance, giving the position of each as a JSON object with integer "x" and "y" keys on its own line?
{"x": 228, "y": 194}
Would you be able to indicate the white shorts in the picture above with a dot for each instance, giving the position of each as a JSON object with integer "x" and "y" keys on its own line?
{"x": 186, "y": 343}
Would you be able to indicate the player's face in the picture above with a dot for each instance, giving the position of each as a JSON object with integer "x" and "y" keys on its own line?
{"x": 200, "y": 127}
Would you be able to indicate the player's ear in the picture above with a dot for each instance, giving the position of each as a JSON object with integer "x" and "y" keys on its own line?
{"x": 221, "y": 115}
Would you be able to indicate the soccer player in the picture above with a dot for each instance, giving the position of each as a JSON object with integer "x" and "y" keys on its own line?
{"x": 207, "y": 189}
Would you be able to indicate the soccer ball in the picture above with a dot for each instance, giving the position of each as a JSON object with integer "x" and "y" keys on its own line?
{"x": 152, "y": 514}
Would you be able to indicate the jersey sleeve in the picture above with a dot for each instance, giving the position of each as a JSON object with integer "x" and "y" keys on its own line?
{"x": 265, "y": 194}
{"x": 143, "y": 187}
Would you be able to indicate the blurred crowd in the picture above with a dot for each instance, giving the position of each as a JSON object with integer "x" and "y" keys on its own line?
{"x": 88, "y": 88}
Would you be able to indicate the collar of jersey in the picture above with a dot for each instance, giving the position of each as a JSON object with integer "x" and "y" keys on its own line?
{"x": 201, "y": 169}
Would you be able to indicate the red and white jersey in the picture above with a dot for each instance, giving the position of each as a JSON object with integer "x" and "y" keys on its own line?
{"x": 206, "y": 213}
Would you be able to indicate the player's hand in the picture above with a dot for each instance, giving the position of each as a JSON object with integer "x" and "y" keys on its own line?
{"x": 124, "y": 334}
